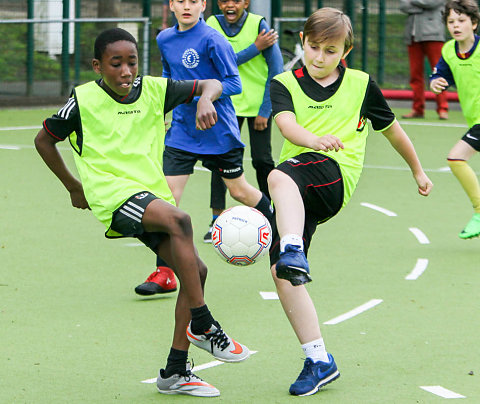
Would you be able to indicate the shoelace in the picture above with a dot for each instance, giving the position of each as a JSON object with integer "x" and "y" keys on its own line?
{"x": 306, "y": 371}
{"x": 218, "y": 338}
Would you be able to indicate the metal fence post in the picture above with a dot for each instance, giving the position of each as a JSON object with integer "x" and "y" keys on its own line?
{"x": 349, "y": 6}
{"x": 65, "y": 48}
{"x": 365, "y": 35}
{"x": 147, "y": 12}
{"x": 30, "y": 49}
{"x": 319, "y": 3}
{"x": 381, "y": 42}
{"x": 77, "y": 33}
{"x": 307, "y": 8}
{"x": 276, "y": 8}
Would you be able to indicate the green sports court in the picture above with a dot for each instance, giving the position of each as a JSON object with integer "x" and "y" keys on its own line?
{"x": 394, "y": 286}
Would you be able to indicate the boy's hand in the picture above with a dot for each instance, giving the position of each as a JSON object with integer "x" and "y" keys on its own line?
{"x": 266, "y": 39}
{"x": 424, "y": 184}
{"x": 327, "y": 143}
{"x": 260, "y": 123}
{"x": 438, "y": 85}
{"x": 206, "y": 114}
{"x": 77, "y": 197}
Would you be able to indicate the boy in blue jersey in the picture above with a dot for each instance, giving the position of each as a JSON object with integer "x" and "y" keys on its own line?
{"x": 116, "y": 128}
{"x": 321, "y": 110}
{"x": 193, "y": 50}
{"x": 259, "y": 59}
{"x": 460, "y": 66}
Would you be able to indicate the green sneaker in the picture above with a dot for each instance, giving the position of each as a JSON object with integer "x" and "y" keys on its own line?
{"x": 472, "y": 229}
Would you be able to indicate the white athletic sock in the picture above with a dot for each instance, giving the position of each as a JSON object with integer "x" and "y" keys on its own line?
{"x": 293, "y": 239}
{"x": 315, "y": 350}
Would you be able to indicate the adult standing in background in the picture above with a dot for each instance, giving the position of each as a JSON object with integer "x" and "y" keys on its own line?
{"x": 424, "y": 36}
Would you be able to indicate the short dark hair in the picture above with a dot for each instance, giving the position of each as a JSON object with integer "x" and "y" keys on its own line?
{"x": 109, "y": 36}
{"x": 467, "y": 7}
{"x": 327, "y": 23}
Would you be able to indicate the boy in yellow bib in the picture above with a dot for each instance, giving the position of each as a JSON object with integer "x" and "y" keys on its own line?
{"x": 321, "y": 111}
{"x": 460, "y": 65}
{"x": 116, "y": 128}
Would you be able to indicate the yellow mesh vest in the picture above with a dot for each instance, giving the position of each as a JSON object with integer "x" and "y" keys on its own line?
{"x": 466, "y": 73}
{"x": 253, "y": 73}
{"x": 339, "y": 116}
{"x": 122, "y": 147}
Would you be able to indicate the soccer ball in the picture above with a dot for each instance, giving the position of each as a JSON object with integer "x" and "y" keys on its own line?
{"x": 241, "y": 235}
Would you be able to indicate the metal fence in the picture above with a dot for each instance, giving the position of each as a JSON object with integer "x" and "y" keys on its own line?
{"x": 40, "y": 59}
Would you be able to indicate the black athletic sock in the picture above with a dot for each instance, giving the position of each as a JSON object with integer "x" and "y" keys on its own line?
{"x": 161, "y": 262}
{"x": 265, "y": 207}
{"x": 176, "y": 363}
{"x": 202, "y": 319}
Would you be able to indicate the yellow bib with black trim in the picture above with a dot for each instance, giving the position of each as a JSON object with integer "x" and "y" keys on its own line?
{"x": 120, "y": 153}
{"x": 253, "y": 73}
{"x": 466, "y": 73}
{"x": 339, "y": 115}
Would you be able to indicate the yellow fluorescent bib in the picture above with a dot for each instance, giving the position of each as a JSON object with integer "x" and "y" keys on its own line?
{"x": 122, "y": 147}
{"x": 339, "y": 116}
{"x": 466, "y": 73}
{"x": 253, "y": 73}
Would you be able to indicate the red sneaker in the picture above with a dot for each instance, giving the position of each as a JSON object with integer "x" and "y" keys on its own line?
{"x": 161, "y": 281}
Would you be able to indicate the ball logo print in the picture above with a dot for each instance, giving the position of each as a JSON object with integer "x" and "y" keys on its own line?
{"x": 241, "y": 235}
{"x": 190, "y": 58}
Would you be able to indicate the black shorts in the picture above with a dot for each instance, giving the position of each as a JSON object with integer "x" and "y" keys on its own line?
{"x": 320, "y": 182}
{"x": 127, "y": 220}
{"x": 180, "y": 162}
{"x": 472, "y": 137}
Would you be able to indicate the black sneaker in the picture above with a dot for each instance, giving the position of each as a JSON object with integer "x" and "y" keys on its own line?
{"x": 207, "y": 238}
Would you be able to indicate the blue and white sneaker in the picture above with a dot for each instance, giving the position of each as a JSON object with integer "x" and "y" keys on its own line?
{"x": 313, "y": 376}
{"x": 293, "y": 266}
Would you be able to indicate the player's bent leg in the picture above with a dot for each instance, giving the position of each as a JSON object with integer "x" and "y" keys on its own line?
{"x": 242, "y": 191}
{"x": 160, "y": 216}
{"x": 177, "y": 183}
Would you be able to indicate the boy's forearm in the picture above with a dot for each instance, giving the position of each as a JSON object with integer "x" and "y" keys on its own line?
{"x": 211, "y": 89}
{"x": 54, "y": 161}
{"x": 404, "y": 146}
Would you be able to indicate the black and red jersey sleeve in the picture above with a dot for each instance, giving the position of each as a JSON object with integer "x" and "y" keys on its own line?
{"x": 64, "y": 122}
{"x": 179, "y": 92}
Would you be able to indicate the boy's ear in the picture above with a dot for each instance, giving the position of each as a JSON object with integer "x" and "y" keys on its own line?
{"x": 96, "y": 66}
{"x": 347, "y": 52}
{"x": 247, "y": 3}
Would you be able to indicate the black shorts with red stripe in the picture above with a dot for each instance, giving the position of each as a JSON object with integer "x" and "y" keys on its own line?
{"x": 320, "y": 183}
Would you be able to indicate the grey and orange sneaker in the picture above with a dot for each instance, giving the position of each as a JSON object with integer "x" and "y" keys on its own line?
{"x": 219, "y": 344}
{"x": 185, "y": 383}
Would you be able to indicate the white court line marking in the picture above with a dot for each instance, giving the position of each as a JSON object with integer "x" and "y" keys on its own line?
{"x": 421, "y": 266}
{"x": 269, "y": 295}
{"x": 9, "y": 147}
{"x": 352, "y": 313}
{"x": 445, "y": 125}
{"x": 134, "y": 245}
{"x": 197, "y": 368}
{"x": 7, "y": 128}
{"x": 379, "y": 209}
{"x": 442, "y": 392}
{"x": 421, "y": 237}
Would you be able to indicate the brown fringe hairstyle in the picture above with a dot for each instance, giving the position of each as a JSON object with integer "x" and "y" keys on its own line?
{"x": 329, "y": 23}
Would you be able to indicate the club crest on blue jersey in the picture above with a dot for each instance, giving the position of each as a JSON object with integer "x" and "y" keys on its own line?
{"x": 190, "y": 58}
